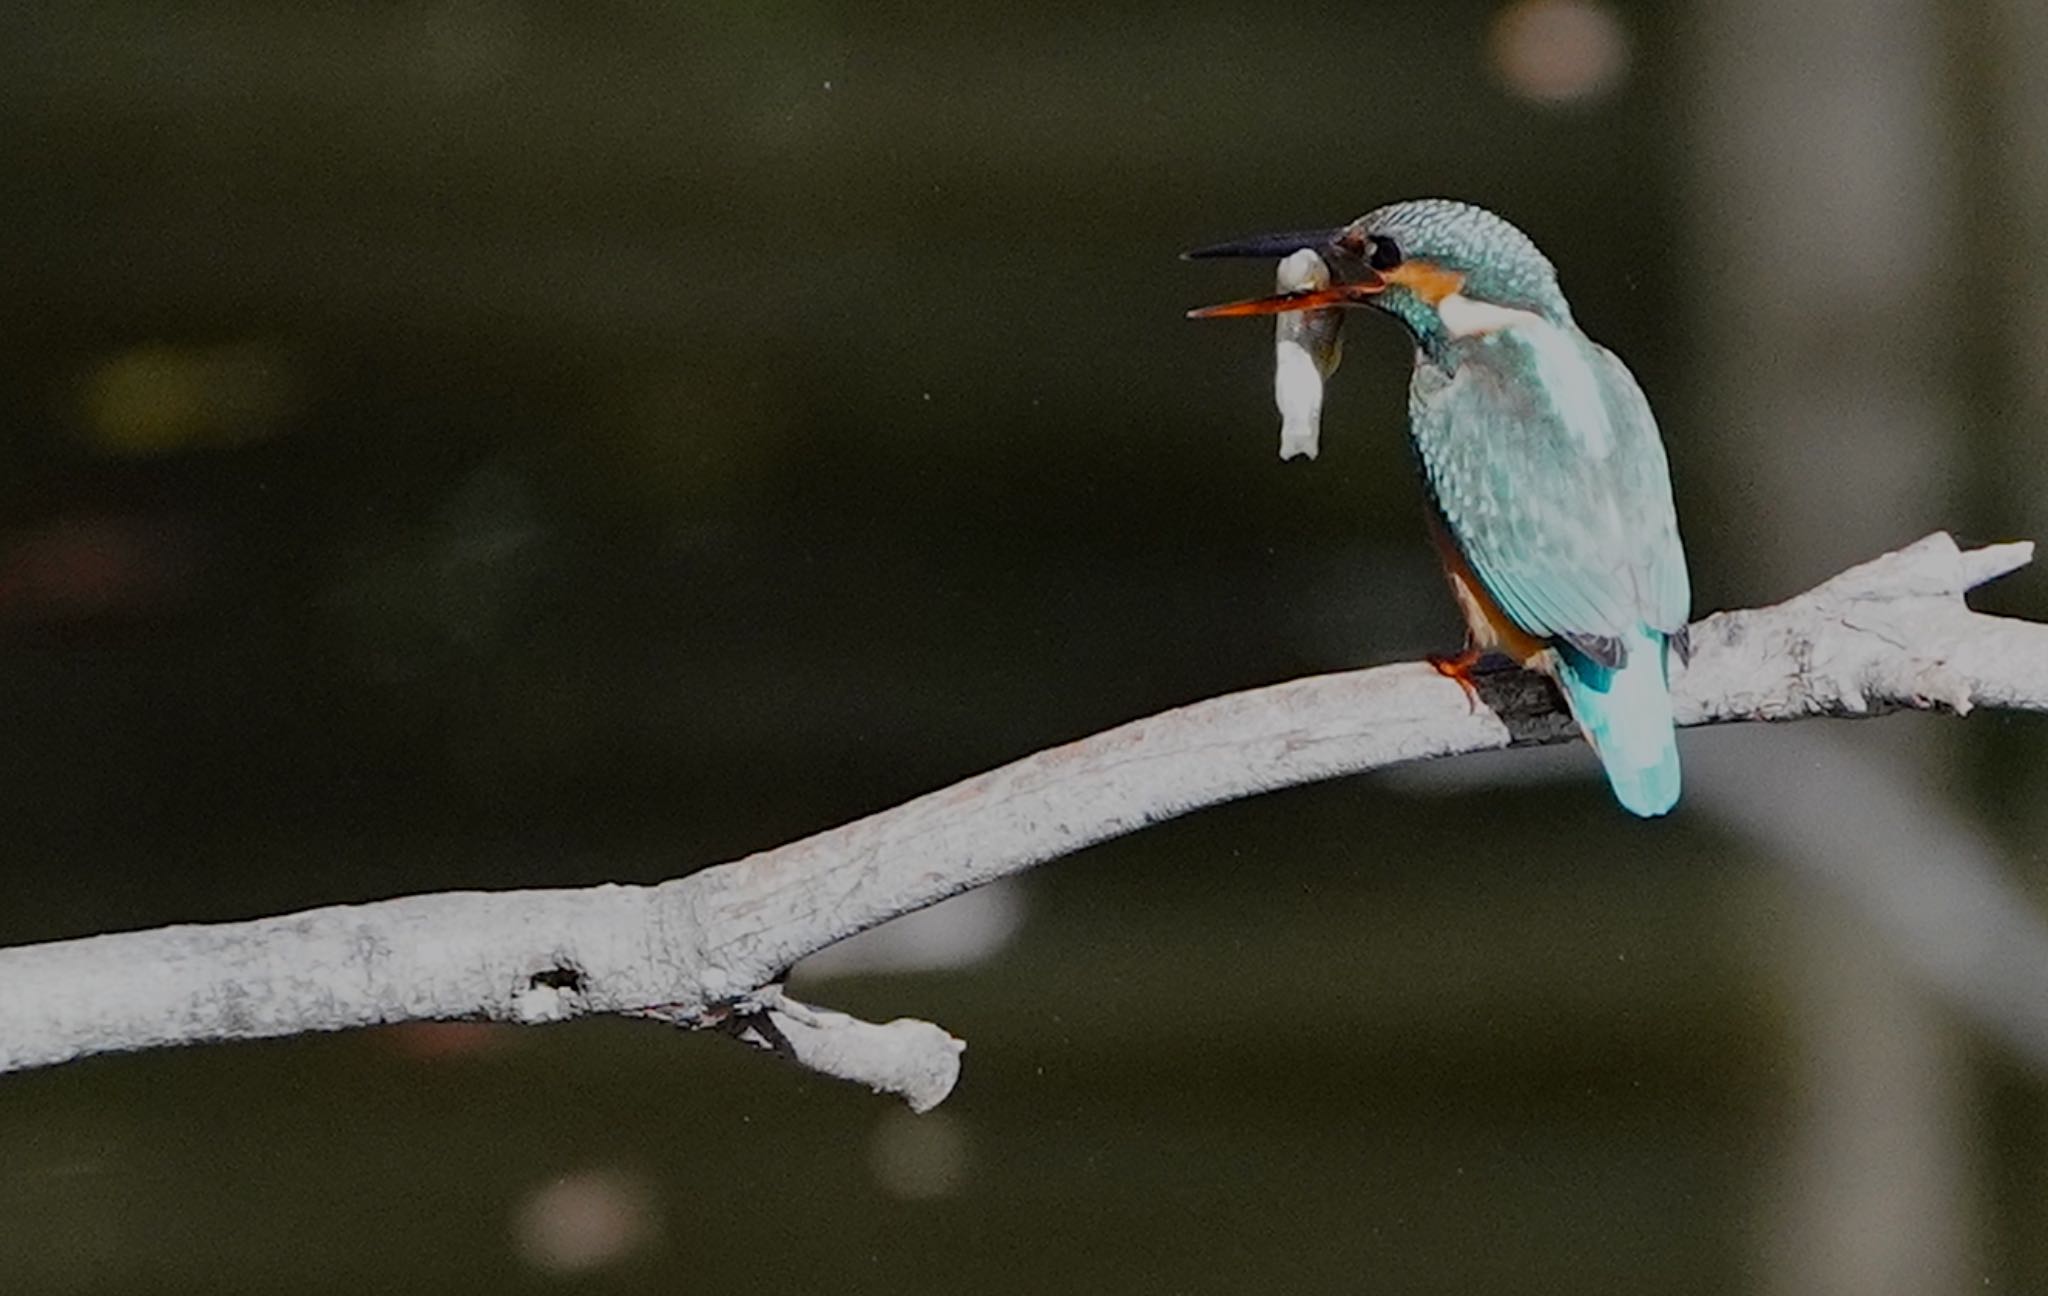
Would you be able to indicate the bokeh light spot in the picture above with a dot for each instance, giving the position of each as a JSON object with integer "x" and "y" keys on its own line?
{"x": 160, "y": 399}
{"x": 586, "y": 1220}
{"x": 1559, "y": 51}
{"x": 919, "y": 1158}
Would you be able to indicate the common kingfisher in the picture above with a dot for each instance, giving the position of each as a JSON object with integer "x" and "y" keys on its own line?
{"x": 1549, "y": 493}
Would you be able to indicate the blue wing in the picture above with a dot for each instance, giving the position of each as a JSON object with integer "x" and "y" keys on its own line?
{"x": 1542, "y": 457}
{"x": 1544, "y": 462}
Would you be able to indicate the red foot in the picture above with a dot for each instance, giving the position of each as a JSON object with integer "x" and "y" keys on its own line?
{"x": 1458, "y": 666}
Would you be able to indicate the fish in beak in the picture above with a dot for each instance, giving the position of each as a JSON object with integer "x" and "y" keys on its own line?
{"x": 1361, "y": 285}
{"x": 1308, "y": 326}
{"x": 1307, "y": 346}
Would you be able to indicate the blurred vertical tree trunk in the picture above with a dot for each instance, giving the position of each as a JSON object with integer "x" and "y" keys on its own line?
{"x": 2012, "y": 248}
{"x": 1821, "y": 197}
{"x": 2014, "y": 40}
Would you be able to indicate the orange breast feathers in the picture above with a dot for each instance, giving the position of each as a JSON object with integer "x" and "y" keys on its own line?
{"x": 1490, "y": 628}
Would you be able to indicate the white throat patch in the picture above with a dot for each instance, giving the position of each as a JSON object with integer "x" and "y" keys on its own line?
{"x": 1465, "y": 317}
{"x": 1566, "y": 369}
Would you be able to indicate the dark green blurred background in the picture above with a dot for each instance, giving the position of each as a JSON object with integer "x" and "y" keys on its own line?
{"x": 478, "y": 443}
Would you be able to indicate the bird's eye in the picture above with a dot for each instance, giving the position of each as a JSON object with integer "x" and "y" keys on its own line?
{"x": 1385, "y": 254}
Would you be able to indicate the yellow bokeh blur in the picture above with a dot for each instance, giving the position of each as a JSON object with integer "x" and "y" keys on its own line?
{"x": 158, "y": 399}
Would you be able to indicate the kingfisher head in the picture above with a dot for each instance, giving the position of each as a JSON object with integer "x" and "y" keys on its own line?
{"x": 1443, "y": 268}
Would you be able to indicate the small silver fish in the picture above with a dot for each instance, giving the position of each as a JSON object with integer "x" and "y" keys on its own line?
{"x": 1307, "y": 347}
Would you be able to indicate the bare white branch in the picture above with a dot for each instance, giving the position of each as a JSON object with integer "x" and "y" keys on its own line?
{"x": 912, "y": 1059}
{"x": 709, "y": 950}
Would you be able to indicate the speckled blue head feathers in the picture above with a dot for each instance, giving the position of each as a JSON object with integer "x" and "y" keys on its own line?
{"x": 1497, "y": 262}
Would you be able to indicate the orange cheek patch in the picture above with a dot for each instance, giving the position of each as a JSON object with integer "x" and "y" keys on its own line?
{"x": 1431, "y": 282}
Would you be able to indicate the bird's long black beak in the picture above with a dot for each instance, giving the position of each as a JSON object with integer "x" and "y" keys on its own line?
{"x": 1268, "y": 247}
{"x": 1352, "y": 292}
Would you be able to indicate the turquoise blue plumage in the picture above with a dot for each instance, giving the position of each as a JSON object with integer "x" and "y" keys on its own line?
{"x": 1558, "y": 496}
{"x": 1626, "y": 715}
{"x": 1547, "y": 480}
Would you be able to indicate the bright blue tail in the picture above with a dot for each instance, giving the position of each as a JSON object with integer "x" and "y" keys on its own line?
{"x": 1626, "y": 715}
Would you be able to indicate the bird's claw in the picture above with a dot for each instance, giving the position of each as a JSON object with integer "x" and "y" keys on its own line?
{"x": 1459, "y": 667}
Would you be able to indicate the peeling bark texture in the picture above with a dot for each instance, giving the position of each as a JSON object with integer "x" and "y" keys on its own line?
{"x": 709, "y": 950}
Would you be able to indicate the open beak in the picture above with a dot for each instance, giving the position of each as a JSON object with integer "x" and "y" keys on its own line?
{"x": 1274, "y": 247}
{"x": 1344, "y": 294}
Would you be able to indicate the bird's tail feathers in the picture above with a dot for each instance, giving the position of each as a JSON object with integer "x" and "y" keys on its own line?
{"x": 1626, "y": 716}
